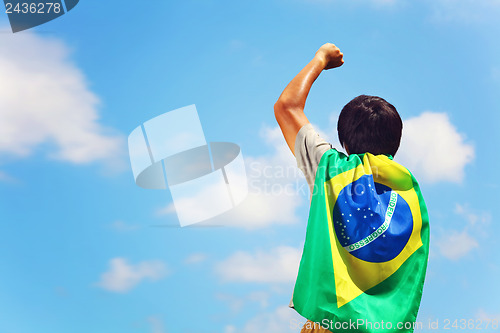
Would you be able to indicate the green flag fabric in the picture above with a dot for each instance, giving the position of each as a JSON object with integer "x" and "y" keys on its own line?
{"x": 366, "y": 248}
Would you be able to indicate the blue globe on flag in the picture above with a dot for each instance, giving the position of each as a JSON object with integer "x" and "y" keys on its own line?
{"x": 371, "y": 220}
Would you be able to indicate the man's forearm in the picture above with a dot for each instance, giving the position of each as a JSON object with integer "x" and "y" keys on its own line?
{"x": 293, "y": 98}
{"x": 289, "y": 109}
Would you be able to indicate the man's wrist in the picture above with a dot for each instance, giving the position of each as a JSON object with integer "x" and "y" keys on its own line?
{"x": 321, "y": 60}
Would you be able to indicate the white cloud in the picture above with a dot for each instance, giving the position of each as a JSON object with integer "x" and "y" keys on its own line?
{"x": 246, "y": 52}
{"x": 487, "y": 317}
{"x": 157, "y": 325}
{"x": 195, "y": 258}
{"x": 495, "y": 73}
{"x": 376, "y": 3}
{"x": 456, "y": 245}
{"x": 261, "y": 297}
{"x": 123, "y": 226}
{"x": 433, "y": 149}
{"x": 384, "y": 2}
{"x": 236, "y": 303}
{"x": 282, "y": 320}
{"x": 45, "y": 100}
{"x": 275, "y": 187}
{"x": 167, "y": 210}
{"x": 279, "y": 265}
{"x": 464, "y": 11}
{"x": 448, "y": 11}
{"x": 472, "y": 217}
{"x": 439, "y": 11}
{"x": 4, "y": 177}
{"x": 122, "y": 276}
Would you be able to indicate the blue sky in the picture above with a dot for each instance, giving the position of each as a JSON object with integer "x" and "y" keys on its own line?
{"x": 83, "y": 249}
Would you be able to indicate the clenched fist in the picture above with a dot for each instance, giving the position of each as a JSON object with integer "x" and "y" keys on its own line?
{"x": 330, "y": 55}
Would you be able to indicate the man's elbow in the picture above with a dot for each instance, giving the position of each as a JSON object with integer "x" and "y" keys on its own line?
{"x": 282, "y": 109}
{"x": 278, "y": 106}
{"x": 279, "y": 111}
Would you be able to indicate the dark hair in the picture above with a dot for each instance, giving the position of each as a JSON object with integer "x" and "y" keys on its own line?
{"x": 369, "y": 124}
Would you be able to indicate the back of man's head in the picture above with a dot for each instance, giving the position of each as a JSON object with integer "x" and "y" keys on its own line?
{"x": 369, "y": 124}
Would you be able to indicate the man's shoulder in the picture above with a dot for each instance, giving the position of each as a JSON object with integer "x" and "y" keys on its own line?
{"x": 334, "y": 162}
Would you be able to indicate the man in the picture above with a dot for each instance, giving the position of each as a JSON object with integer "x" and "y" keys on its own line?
{"x": 367, "y": 241}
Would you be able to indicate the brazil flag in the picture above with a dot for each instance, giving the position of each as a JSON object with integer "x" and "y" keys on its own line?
{"x": 366, "y": 247}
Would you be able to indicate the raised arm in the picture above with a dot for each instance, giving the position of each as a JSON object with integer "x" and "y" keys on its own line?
{"x": 289, "y": 109}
